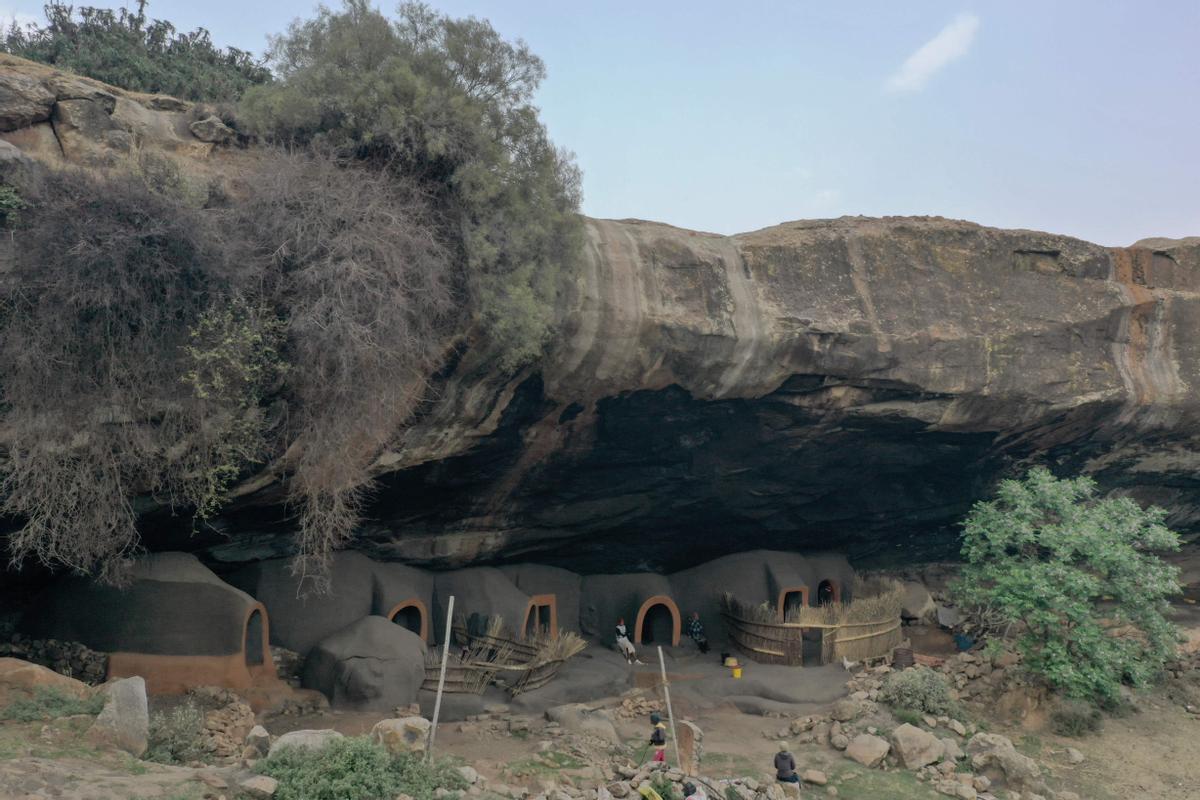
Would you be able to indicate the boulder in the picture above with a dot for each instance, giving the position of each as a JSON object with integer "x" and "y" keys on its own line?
{"x": 915, "y": 747}
{"x": 212, "y": 129}
{"x": 403, "y": 735}
{"x": 370, "y": 665}
{"x": 839, "y": 741}
{"x": 259, "y": 739}
{"x": 868, "y": 750}
{"x": 846, "y": 709}
{"x": 814, "y": 776}
{"x": 995, "y": 757}
{"x": 951, "y": 751}
{"x": 315, "y": 740}
{"x": 1074, "y": 756}
{"x": 579, "y": 718}
{"x": 124, "y": 723}
{"x": 87, "y": 133}
{"x": 24, "y": 100}
{"x": 20, "y": 678}
{"x": 918, "y": 603}
{"x": 259, "y": 787}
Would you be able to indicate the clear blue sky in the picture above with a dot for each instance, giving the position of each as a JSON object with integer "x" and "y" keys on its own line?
{"x": 1073, "y": 117}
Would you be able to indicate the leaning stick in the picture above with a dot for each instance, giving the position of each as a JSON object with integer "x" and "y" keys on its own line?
{"x": 670, "y": 716}
{"x": 437, "y": 704}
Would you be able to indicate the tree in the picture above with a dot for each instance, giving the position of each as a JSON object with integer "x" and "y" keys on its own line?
{"x": 447, "y": 102}
{"x": 1076, "y": 580}
{"x": 127, "y": 49}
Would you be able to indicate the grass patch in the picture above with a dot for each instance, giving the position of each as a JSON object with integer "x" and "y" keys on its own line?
{"x": 547, "y": 763}
{"x": 911, "y": 716}
{"x": 874, "y": 784}
{"x": 730, "y": 765}
{"x": 355, "y": 768}
{"x": 49, "y": 702}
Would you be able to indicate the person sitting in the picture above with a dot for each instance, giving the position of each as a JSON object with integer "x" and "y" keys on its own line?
{"x": 696, "y": 631}
{"x": 658, "y": 738}
{"x": 785, "y": 765}
{"x": 624, "y": 645}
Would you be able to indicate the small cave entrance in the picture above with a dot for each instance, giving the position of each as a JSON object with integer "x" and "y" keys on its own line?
{"x": 791, "y": 601}
{"x": 658, "y": 622}
{"x": 254, "y": 639}
{"x": 827, "y": 593}
{"x": 541, "y": 618}
{"x": 410, "y": 615}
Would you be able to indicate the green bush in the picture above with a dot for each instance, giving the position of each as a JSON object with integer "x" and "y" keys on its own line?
{"x": 129, "y": 50}
{"x": 10, "y": 205}
{"x": 1076, "y": 580}
{"x": 177, "y": 735}
{"x": 918, "y": 689}
{"x": 49, "y": 702}
{"x": 909, "y": 715}
{"x": 355, "y": 768}
{"x": 667, "y": 790}
{"x": 1075, "y": 718}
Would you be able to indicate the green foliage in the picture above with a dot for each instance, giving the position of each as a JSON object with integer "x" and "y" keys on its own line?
{"x": 11, "y": 205}
{"x": 918, "y": 689}
{"x": 1076, "y": 580}
{"x": 1075, "y": 718}
{"x": 129, "y": 50}
{"x": 49, "y": 702}
{"x": 449, "y": 103}
{"x": 355, "y": 768}
{"x": 667, "y": 790}
{"x": 177, "y": 735}
{"x": 909, "y": 715}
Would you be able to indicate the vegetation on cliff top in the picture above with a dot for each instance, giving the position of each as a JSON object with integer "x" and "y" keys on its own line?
{"x": 159, "y": 335}
{"x": 1075, "y": 580}
{"x": 128, "y": 49}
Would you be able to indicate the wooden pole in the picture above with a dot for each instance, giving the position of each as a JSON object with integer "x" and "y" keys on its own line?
{"x": 437, "y": 704}
{"x": 670, "y": 715}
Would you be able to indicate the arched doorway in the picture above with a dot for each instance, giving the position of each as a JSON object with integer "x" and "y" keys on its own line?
{"x": 541, "y": 617}
{"x": 828, "y": 593}
{"x": 412, "y": 615}
{"x": 254, "y": 638}
{"x": 791, "y": 600}
{"x": 658, "y": 622}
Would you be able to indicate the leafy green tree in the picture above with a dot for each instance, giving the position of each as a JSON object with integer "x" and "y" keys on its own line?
{"x": 448, "y": 102}
{"x": 127, "y": 49}
{"x": 1076, "y": 580}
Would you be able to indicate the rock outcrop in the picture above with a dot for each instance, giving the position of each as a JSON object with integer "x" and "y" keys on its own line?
{"x": 852, "y": 383}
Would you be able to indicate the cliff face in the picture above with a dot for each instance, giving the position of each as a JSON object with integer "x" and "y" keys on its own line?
{"x": 850, "y": 384}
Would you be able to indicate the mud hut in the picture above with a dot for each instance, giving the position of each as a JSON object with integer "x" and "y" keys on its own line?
{"x": 643, "y": 599}
{"x": 484, "y": 592}
{"x": 176, "y": 624}
{"x": 403, "y": 594}
{"x": 554, "y": 594}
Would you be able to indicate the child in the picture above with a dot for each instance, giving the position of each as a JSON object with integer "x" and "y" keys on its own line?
{"x": 658, "y": 739}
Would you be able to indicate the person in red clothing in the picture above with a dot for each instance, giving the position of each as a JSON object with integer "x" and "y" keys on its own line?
{"x": 658, "y": 738}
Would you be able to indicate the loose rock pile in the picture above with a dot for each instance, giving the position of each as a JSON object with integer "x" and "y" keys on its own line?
{"x": 228, "y": 719}
{"x": 66, "y": 658}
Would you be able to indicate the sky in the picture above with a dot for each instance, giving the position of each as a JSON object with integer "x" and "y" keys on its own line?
{"x": 1072, "y": 117}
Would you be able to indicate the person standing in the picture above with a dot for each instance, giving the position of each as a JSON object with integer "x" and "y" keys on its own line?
{"x": 785, "y": 765}
{"x": 658, "y": 738}
{"x": 696, "y": 631}
{"x": 623, "y": 643}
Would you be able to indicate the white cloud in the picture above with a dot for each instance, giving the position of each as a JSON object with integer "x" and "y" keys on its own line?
{"x": 951, "y": 43}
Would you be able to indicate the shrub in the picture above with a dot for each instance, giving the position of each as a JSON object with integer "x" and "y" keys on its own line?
{"x": 918, "y": 689}
{"x": 11, "y": 205}
{"x": 49, "y": 702}
{"x": 177, "y": 735}
{"x": 1076, "y": 580}
{"x": 1075, "y": 718}
{"x": 667, "y": 790}
{"x": 909, "y": 715}
{"x": 355, "y": 768}
{"x": 127, "y": 49}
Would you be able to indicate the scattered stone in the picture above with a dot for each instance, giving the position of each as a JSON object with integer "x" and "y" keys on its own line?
{"x": 995, "y": 756}
{"x": 259, "y": 786}
{"x": 125, "y": 721}
{"x": 930, "y": 722}
{"x": 915, "y": 747}
{"x": 951, "y": 751}
{"x": 839, "y": 741}
{"x": 212, "y": 129}
{"x": 23, "y": 678}
{"x": 469, "y": 775}
{"x": 957, "y": 727}
{"x": 1074, "y": 756}
{"x": 407, "y": 735}
{"x": 815, "y": 777}
{"x": 618, "y": 789}
{"x": 868, "y": 750}
{"x": 315, "y": 740}
{"x": 845, "y": 710}
{"x": 579, "y": 718}
{"x": 259, "y": 739}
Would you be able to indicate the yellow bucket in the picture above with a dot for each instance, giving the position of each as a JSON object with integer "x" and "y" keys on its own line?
{"x": 737, "y": 672}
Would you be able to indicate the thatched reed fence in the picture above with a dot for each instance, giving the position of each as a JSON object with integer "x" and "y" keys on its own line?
{"x": 494, "y": 653}
{"x": 866, "y": 627}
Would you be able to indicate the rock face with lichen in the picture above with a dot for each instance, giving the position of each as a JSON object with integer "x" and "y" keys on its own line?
{"x": 852, "y": 384}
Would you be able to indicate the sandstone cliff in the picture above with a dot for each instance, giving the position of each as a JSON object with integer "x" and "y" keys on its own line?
{"x": 852, "y": 383}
